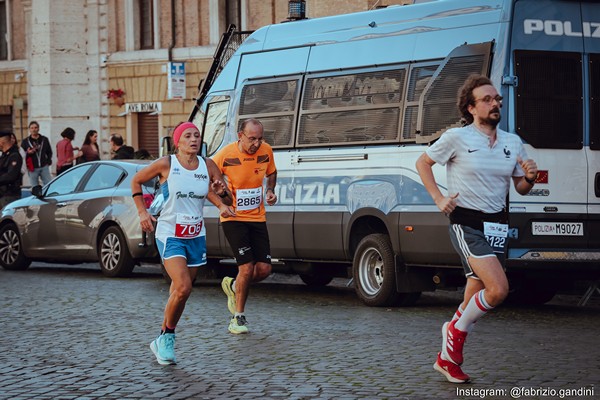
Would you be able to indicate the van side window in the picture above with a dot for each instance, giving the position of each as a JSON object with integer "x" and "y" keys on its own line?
{"x": 215, "y": 122}
{"x": 543, "y": 98}
{"x": 352, "y": 108}
{"x": 418, "y": 80}
{"x": 273, "y": 103}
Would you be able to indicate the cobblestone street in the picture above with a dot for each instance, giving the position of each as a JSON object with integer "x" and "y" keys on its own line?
{"x": 71, "y": 333}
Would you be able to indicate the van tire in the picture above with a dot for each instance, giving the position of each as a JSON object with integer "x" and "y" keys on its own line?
{"x": 374, "y": 272}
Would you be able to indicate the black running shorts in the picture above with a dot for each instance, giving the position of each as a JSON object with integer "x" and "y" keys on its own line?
{"x": 249, "y": 241}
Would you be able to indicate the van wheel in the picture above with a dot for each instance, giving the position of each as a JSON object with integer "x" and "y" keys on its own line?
{"x": 316, "y": 280}
{"x": 114, "y": 256}
{"x": 11, "y": 249}
{"x": 374, "y": 272}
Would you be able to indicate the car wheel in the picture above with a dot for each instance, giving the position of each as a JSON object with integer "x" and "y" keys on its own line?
{"x": 374, "y": 272}
{"x": 317, "y": 279}
{"x": 11, "y": 249}
{"x": 114, "y": 256}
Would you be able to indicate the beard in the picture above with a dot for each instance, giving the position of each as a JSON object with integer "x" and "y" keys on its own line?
{"x": 492, "y": 120}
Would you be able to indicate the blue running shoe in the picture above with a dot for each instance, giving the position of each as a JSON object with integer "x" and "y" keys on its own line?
{"x": 163, "y": 348}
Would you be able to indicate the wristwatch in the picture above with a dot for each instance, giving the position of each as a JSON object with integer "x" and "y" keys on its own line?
{"x": 530, "y": 181}
{"x": 224, "y": 194}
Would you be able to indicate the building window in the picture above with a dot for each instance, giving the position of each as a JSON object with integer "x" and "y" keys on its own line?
{"x": 3, "y": 31}
{"x": 146, "y": 24}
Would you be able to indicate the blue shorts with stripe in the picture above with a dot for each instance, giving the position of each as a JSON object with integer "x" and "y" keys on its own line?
{"x": 470, "y": 242}
{"x": 193, "y": 250}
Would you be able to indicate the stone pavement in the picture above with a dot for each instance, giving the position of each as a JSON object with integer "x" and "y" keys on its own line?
{"x": 70, "y": 333}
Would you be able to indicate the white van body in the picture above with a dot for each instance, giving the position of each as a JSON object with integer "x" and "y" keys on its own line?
{"x": 350, "y": 102}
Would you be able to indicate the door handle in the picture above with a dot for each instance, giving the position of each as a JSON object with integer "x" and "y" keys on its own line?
{"x": 60, "y": 205}
{"x": 597, "y": 184}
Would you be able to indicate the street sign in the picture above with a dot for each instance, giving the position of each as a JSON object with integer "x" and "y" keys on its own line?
{"x": 176, "y": 79}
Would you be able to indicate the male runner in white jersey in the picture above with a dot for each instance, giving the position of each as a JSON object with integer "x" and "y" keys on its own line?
{"x": 480, "y": 161}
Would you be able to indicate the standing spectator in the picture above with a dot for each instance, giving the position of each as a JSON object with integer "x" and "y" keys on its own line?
{"x": 90, "y": 150}
{"x": 120, "y": 150}
{"x": 25, "y": 178}
{"x": 481, "y": 160}
{"x": 10, "y": 170}
{"x": 65, "y": 152}
{"x": 39, "y": 155}
{"x": 246, "y": 163}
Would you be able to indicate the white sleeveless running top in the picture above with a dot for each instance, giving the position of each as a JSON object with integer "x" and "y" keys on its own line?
{"x": 184, "y": 192}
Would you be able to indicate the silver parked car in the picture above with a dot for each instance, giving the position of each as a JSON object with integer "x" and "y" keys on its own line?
{"x": 85, "y": 214}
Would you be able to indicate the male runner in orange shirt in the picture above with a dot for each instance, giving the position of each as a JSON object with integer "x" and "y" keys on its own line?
{"x": 246, "y": 163}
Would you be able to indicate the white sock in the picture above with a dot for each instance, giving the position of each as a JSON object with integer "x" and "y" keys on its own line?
{"x": 238, "y": 314}
{"x": 475, "y": 309}
{"x": 233, "y": 286}
{"x": 459, "y": 312}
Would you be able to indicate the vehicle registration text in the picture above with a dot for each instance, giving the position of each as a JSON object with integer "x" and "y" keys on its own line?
{"x": 557, "y": 228}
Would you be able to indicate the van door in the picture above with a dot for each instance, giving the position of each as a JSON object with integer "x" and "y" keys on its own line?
{"x": 556, "y": 221}
{"x": 593, "y": 150}
{"x": 273, "y": 102}
{"x": 591, "y": 46}
{"x": 347, "y": 155}
{"x": 212, "y": 122}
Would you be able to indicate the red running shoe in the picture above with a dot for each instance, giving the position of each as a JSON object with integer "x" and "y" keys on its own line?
{"x": 451, "y": 371}
{"x": 453, "y": 343}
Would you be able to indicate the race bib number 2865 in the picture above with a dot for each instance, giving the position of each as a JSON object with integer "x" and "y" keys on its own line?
{"x": 248, "y": 199}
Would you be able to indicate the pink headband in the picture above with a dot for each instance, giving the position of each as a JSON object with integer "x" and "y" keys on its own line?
{"x": 180, "y": 129}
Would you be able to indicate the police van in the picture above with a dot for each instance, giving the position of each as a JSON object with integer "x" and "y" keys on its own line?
{"x": 350, "y": 102}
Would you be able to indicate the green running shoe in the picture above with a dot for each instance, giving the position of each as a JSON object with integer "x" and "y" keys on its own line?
{"x": 226, "y": 286}
{"x": 238, "y": 324}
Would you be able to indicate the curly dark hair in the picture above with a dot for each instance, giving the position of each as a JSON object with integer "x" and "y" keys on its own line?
{"x": 465, "y": 95}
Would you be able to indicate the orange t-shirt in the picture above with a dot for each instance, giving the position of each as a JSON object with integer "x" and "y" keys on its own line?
{"x": 245, "y": 175}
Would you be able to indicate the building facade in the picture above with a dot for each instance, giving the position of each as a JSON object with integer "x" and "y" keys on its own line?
{"x": 130, "y": 67}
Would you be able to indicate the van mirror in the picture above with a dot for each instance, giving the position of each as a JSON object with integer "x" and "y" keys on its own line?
{"x": 204, "y": 149}
{"x": 166, "y": 146}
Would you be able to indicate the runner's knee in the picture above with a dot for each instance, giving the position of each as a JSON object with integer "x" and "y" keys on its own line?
{"x": 262, "y": 271}
{"x": 496, "y": 294}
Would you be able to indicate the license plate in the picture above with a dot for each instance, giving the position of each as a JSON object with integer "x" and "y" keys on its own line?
{"x": 557, "y": 228}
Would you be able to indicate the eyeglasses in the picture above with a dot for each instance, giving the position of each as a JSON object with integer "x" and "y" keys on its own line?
{"x": 253, "y": 139}
{"x": 489, "y": 99}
